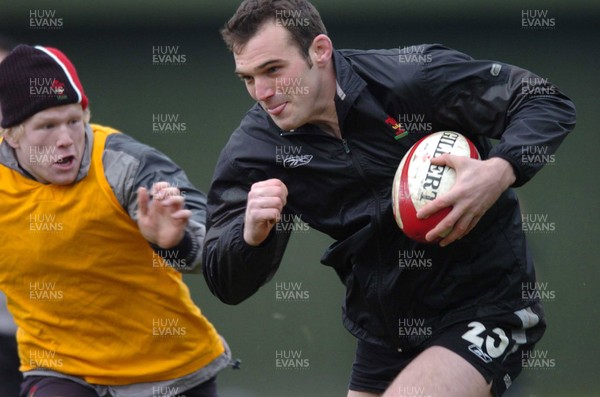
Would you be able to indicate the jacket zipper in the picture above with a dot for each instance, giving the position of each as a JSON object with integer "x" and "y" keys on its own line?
{"x": 347, "y": 148}
{"x": 391, "y": 337}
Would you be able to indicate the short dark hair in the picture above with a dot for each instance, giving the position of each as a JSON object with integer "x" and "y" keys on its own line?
{"x": 299, "y": 17}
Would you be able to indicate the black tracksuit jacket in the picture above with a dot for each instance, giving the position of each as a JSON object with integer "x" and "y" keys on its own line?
{"x": 342, "y": 187}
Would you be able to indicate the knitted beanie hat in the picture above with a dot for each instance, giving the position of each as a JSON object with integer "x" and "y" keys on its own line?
{"x": 33, "y": 79}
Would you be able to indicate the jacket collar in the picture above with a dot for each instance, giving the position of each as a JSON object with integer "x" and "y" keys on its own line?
{"x": 349, "y": 85}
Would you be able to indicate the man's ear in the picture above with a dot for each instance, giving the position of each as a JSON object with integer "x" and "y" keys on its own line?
{"x": 321, "y": 50}
{"x": 11, "y": 140}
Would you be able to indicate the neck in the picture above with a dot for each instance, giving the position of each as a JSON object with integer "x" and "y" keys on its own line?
{"x": 330, "y": 124}
{"x": 328, "y": 118}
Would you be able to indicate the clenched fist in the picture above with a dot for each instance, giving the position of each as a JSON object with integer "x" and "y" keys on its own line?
{"x": 266, "y": 200}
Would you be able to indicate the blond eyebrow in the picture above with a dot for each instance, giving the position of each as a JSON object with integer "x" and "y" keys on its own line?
{"x": 44, "y": 118}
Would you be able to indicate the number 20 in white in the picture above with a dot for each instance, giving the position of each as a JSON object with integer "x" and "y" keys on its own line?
{"x": 477, "y": 329}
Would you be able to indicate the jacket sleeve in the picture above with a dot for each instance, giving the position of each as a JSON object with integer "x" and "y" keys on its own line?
{"x": 527, "y": 113}
{"x": 128, "y": 165}
{"x": 234, "y": 270}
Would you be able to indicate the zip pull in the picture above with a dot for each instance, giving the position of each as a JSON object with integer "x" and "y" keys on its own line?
{"x": 346, "y": 147}
{"x": 235, "y": 364}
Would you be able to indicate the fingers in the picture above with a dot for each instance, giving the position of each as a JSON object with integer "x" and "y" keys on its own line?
{"x": 158, "y": 187}
{"x": 434, "y": 206}
{"x": 142, "y": 200}
{"x": 266, "y": 200}
{"x": 167, "y": 195}
{"x": 468, "y": 199}
{"x": 164, "y": 199}
{"x": 162, "y": 216}
{"x": 444, "y": 159}
{"x": 163, "y": 191}
{"x": 453, "y": 227}
{"x": 442, "y": 201}
{"x": 182, "y": 215}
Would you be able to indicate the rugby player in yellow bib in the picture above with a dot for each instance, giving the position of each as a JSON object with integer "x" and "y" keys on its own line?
{"x": 96, "y": 231}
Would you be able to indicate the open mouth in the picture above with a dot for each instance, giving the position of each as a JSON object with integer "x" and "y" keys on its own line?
{"x": 65, "y": 161}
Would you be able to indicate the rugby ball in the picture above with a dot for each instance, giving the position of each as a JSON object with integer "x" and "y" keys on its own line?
{"x": 418, "y": 182}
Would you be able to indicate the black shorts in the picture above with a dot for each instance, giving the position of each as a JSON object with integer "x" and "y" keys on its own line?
{"x": 496, "y": 347}
{"x": 10, "y": 377}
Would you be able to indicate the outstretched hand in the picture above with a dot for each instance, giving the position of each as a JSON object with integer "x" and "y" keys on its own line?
{"x": 162, "y": 218}
{"x": 478, "y": 185}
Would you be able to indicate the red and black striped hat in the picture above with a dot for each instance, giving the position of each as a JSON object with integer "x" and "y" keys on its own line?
{"x": 33, "y": 79}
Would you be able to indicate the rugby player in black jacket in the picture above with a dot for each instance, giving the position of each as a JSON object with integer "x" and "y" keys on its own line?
{"x": 323, "y": 143}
